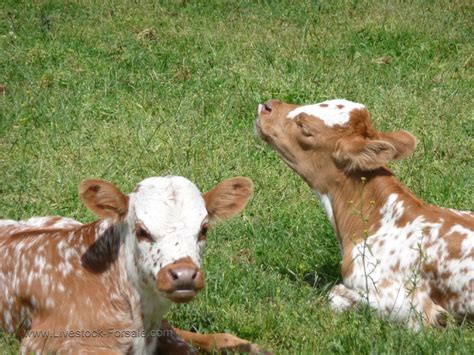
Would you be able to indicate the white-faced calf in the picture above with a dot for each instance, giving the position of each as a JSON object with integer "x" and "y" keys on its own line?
{"x": 114, "y": 278}
{"x": 409, "y": 260}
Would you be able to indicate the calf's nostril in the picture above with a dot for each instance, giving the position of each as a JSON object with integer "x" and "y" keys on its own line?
{"x": 173, "y": 275}
{"x": 268, "y": 106}
{"x": 195, "y": 275}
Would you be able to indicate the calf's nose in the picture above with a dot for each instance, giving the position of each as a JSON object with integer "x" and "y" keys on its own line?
{"x": 185, "y": 277}
{"x": 268, "y": 106}
{"x": 181, "y": 280}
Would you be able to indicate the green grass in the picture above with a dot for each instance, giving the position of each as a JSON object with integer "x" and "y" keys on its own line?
{"x": 87, "y": 95}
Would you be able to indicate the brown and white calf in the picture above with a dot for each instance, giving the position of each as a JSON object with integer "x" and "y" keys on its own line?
{"x": 99, "y": 287}
{"x": 409, "y": 260}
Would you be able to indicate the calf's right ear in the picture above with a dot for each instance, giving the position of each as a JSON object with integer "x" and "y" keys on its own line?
{"x": 104, "y": 199}
{"x": 358, "y": 153}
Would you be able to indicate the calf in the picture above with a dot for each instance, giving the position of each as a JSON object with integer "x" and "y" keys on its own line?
{"x": 410, "y": 261}
{"x": 105, "y": 286}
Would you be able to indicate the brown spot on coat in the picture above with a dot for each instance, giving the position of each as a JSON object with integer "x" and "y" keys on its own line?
{"x": 385, "y": 283}
{"x": 454, "y": 241}
{"x": 395, "y": 268}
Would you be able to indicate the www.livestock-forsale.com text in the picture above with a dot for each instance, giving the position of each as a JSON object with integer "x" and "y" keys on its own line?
{"x": 99, "y": 333}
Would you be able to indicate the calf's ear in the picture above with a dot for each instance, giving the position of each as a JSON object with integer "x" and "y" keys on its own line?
{"x": 358, "y": 153}
{"x": 404, "y": 143}
{"x": 228, "y": 198}
{"x": 104, "y": 199}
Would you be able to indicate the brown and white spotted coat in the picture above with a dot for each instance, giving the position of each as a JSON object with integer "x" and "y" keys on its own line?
{"x": 116, "y": 276}
{"x": 409, "y": 260}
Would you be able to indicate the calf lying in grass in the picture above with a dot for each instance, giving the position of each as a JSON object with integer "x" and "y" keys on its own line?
{"x": 115, "y": 278}
{"x": 410, "y": 261}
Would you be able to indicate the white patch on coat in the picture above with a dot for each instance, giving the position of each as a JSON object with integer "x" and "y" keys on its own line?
{"x": 49, "y": 302}
{"x": 325, "y": 200}
{"x": 7, "y": 222}
{"x": 341, "y": 298}
{"x": 7, "y": 321}
{"x": 374, "y": 262}
{"x": 459, "y": 270}
{"x": 462, "y": 213}
{"x": 9, "y": 227}
{"x": 332, "y": 112}
{"x": 39, "y": 263}
{"x": 388, "y": 267}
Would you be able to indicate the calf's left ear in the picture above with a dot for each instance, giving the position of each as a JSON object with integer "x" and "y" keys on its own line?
{"x": 104, "y": 199}
{"x": 228, "y": 198}
{"x": 404, "y": 143}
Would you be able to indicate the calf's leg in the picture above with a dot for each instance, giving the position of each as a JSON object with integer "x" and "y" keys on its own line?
{"x": 391, "y": 298}
{"x": 342, "y": 298}
{"x": 218, "y": 342}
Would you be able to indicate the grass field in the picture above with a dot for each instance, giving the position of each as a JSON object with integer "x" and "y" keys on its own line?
{"x": 131, "y": 90}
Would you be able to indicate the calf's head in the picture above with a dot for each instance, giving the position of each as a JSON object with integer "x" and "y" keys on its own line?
{"x": 322, "y": 141}
{"x": 167, "y": 219}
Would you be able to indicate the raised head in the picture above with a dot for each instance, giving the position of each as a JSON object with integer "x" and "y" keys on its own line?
{"x": 167, "y": 219}
{"x": 322, "y": 141}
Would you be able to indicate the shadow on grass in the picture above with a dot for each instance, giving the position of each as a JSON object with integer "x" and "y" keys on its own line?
{"x": 321, "y": 279}
{"x": 324, "y": 276}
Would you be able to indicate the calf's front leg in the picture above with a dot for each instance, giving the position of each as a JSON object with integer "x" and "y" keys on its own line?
{"x": 219, "y": 342}
{"x": 342, "y": 298}
{"x": 170, "y": 343}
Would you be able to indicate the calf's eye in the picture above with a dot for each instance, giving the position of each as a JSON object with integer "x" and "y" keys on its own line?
{"x": 143, "y": 235}
{"x": 303, "y": 129}
{"x": 203, "y": 232}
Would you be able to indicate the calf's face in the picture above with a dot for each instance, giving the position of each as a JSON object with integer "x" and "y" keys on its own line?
{"x": 167, "y": 219}
{"x": 323, "y": 140}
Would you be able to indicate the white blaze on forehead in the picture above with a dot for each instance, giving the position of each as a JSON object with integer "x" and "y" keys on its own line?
{"x": 169, "y": 205}
{"x": 332, "y": 112}
{"x": 172, "y": 209}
